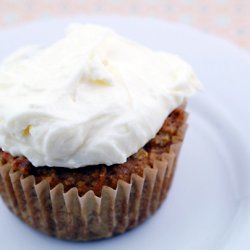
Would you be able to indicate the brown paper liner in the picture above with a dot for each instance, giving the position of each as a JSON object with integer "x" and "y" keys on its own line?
{"x": 68, "y": 216}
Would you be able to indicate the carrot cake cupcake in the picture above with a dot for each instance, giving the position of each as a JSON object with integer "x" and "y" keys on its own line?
{"x": 90, "y": 131}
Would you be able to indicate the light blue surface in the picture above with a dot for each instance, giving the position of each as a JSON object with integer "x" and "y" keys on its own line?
{"x": 208, "y": 206}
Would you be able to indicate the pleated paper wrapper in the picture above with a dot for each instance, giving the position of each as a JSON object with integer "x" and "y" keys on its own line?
{"x": 71, "y": 217}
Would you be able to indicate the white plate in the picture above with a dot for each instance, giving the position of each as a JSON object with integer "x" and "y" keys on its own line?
{"x": 208, "y": 206}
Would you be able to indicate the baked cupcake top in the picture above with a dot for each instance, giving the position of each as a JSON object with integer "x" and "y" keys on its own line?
{"x": 91, "y": 98}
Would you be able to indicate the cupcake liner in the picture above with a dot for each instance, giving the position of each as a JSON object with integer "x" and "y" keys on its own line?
{"x": 68, "y": 216}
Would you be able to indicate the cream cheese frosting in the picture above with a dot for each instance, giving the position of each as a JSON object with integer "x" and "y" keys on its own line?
{"x": 91, "y": 98}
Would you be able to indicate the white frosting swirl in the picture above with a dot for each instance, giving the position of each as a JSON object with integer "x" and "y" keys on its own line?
{"x": 91, "y": 98}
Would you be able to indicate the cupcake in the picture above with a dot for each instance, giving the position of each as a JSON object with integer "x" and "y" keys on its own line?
{"x": 90, "y": 132}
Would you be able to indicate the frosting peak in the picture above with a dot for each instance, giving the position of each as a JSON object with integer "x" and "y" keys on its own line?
{"x": 91, "y": 98}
